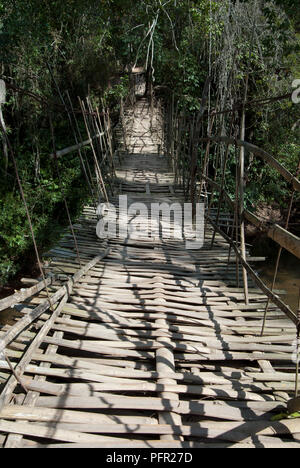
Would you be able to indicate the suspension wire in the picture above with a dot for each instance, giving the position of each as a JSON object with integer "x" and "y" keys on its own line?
{"x": 109, "y": 133}
{"x": 239, "y": 189}
{"x": 73, "y": 130}
{"x": 61, "y": 188}
{"x": 191, "y": 141}
{"x": 104, "y": 146}
{"x": 241, "y": 174}
{"x": 241, "y": 198}
{"x": 194, "y": 160}
{"x": 93, "y": 126}
{"x": 90, "y": 124}
{"x": 94, "y": 116}
{"x": 233, "y": 227}
{"x": 98, "y": 170}
{"x": 237, "y": 218}
{"x": 86, "y": 162}
{"x": 280, "y": 251}
{"x": 93, "y": 129}
{"x": 215, "y": 163}
{"x": 257, "y": 102}
{"x": 27, "y": 214}
{"x": 61, "y": 109}
{"x": 110, "y": 167}
{"x": 212, "y": 194}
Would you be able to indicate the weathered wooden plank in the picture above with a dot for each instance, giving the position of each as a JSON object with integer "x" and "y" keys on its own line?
{"x": 231, "y": 411}
{"x": 25, "y": 293}
{"x": 45, "y": 305}
{"x": 36, "y": 414}
{"x": 26, "y": 358}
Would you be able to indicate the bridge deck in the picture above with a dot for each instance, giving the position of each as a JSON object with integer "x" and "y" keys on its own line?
{"x": 154, "y": 347}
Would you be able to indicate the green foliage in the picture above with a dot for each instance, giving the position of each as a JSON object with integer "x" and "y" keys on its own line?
{"x": 113, "y": 96}
{"x": 75, "y": 38}
{"x": 90, "y": 47}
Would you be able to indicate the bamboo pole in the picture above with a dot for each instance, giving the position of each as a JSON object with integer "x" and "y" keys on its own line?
{"x": 242, "y": 196}
{"x": 280, "y": 252}
{"x": 44, "y": 306}
{"x": 297, "y": 351}
{"x": 222, "y": 184}
{"x": 23, "y": 294}
{"x": 288, "y": 176}
{"x": 2, "y": 122}
{"x": 274, "y": 298}
{"x": 206, "y": 157}
{"x": 61, "y": 189}
{"x": 97, "y": 168}
{"x": 26, "y": 358}
{"x": 281, "y": 236}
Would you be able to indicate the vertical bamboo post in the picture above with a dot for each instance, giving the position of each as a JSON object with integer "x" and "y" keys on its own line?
{"x": 97, "y": 168}
{"x": 61, "y": 188}
{"x": 185, "y": 154}
{"x": 73, "y": 129}
{"x": 297, "y": 351}
{"x": 181, "y": 146}
{"x": 236, "y": 214}
{"x": 190, "y": 153}
{"x": 175, "y": 141}
{"x": 94, "y": 129}
{"x": 2, "y": 122}
{"x": 242, "y": 194}
{"x": 169, "y": 133}
{"x": 84, "y": 164}
{"x": 194, "y": 163}
{"x": 178, "y": 144}
{"x": 222, "y": 184}
{"x": 280, "y": 252}
{"x": 110, "y": 169}
{"x": 206, "y": 156}
{"x": 172, "y": 133}
{"x": 107, "y": 130}
{"x": 124, "y": 129}
{"x": 110, "y": 135}
{"x": 102, "y": 130}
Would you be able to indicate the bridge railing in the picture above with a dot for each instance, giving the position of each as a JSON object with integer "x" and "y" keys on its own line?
{"x": 184, "y": 133}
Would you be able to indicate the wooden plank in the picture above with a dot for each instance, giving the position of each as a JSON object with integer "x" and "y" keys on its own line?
{"x": 26, "y": 358}
{"x": 231, "y": 412}
{"x": 23, "y": 294}
{"x": 73, "y": 148}
{"x": 45, "y": 305}
{"x": 228, "y": 391}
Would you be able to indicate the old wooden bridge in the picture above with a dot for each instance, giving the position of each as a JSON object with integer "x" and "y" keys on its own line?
{"x": 141, "y": 342}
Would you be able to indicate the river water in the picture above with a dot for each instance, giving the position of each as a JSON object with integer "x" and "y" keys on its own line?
{"x": 288, "y": 277}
